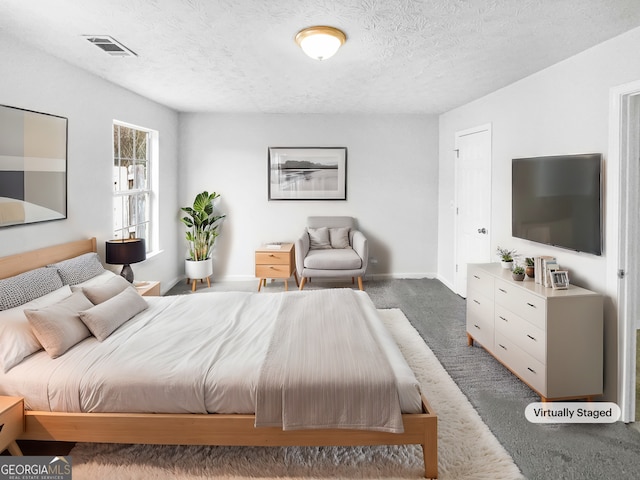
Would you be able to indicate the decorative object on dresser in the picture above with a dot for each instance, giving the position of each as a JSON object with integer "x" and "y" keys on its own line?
{"x": 124, "y": 252}
{"x": 530, "y": 269}
{"x": 202, "y": 230}
{"x": 331, "y": 247}
{"x": 551, "y": 339}
{"x": 518, "y": 273}
{"x": 506, "y": 257}
{"x": 11, "y": 423}
{"x": 276, "y": 260}
{"x": 33, "y": 162}
{"x": 307, "y": 173}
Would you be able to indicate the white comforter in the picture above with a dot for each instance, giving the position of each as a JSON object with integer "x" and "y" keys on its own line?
{"x": 185, "y": 354}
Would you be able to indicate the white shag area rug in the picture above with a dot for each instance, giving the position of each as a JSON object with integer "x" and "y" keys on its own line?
{"x": 466, "y": 450}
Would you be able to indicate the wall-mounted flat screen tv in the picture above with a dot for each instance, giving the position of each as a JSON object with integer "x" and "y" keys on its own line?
{"x": 557, "y": 200}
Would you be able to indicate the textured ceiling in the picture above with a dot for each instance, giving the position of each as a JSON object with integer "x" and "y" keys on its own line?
{"x": 401, "y": 56}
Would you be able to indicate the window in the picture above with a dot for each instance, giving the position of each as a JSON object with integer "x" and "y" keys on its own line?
{"x": 132, "y": 183}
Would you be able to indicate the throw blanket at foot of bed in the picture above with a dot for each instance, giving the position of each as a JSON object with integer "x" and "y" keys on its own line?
{"x": 325, "y": 368}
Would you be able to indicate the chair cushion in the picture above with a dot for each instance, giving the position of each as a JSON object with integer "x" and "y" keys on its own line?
{"x": 333, "y": 259}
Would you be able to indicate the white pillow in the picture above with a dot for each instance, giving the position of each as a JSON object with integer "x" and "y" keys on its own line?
{"x": 58, "y": 327}
{"x": 319, "y": 238}
{"x": 106, "y": 317}
{"x": 100, "y": 279}
{"x": 112, "y": 287}
{"x": 339, "y": 237}
{"x": 17, "y": 340}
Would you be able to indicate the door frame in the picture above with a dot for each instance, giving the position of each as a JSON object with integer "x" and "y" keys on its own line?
{"x": 459, "y": 134}
{"x": 620, "y": 229}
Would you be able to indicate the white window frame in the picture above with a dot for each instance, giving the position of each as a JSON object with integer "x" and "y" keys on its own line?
{"x": 153, "y": 242}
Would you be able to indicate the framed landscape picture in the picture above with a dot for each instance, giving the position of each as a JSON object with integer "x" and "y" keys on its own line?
{"x": 33, "y": 167}
{"x": 307, "y": 173}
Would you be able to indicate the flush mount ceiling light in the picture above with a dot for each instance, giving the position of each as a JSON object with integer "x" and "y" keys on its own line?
{"x": 320, "y": 42}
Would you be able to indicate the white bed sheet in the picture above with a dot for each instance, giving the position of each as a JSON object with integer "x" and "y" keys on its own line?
{"x": 184, "y": 354}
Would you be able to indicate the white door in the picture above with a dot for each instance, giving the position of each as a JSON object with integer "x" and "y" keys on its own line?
{"x": 473, "y": 201}
{"x": 626, "y": 125}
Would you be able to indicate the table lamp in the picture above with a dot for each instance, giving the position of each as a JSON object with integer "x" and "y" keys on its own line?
{"x": 125, "y": 252}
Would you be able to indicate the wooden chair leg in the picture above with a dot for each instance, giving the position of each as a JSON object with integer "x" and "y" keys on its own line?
{"x": 353, "y": 280}
{"x": 360, "y": 283}
{"x": 303, "y": 280}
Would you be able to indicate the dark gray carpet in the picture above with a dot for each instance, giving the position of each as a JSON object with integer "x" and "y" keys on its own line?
{"x": 576, "y": 451}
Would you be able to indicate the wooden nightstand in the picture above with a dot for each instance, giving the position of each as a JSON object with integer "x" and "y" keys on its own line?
{"x": 148, "y": 289}
{"x": 11, "y": 423}
{"x": 276, "y": 263}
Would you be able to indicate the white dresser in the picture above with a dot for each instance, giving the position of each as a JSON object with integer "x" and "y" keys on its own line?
{"x": 551, "y": 339}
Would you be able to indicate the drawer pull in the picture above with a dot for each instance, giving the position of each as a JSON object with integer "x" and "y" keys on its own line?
{"x": 502, "y": 318}
{"x": 532, "y": 338}
{"x": 476, "y": 301}
{"x": 476, "y": 276}
{"x": 531, "y": 305}
{"x": 502, "y": 346}
{"x": 531, "y": 370}
{"x": 1, "y": 427}
{"x": 476, "y": 326}
{"x": 502, "y": 290}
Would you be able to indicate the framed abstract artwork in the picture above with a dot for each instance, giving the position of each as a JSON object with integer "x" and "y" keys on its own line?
{"x": 307, "y": 173}
{"x": 33, "y": 167}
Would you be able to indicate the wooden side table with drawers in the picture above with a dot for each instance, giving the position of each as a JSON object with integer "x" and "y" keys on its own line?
{"x": 11, "y": 423}
{"x": 274, "y": 262}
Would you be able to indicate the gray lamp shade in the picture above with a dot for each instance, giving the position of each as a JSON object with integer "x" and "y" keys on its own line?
{"x": 125, "y": 252}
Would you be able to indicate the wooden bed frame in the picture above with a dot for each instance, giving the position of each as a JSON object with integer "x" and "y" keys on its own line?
{"x": 199, "y": 429}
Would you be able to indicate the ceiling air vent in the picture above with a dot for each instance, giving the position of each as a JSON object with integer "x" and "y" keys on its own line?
{"x": 110, "y": 45}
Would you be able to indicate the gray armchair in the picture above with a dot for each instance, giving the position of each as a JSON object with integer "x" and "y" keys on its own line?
{"x": 331, "y": 247}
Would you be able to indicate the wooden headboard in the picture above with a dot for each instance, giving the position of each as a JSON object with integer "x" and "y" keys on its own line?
{"x": 23, "y": 262}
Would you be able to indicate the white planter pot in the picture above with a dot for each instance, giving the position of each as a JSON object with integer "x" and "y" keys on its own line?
{"x": 507, "y": 265}
{"x": 200, "y": 269}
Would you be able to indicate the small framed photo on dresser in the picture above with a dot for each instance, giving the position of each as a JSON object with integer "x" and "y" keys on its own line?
{"x": 560, "y": 279}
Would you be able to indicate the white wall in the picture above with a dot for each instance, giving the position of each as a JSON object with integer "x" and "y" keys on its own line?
{"x": 36, "y": 81}
{"x": 392, "y": 182}
{"x": 563, "y": 109}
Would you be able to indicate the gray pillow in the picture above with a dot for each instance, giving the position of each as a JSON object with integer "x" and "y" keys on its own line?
{"x": 79, "y": 269}
{"x": 319, "y": 238}
{"x": 112, "y": 287}
{"x": 106, "y": 317}
{"x": 339, "y": 237}
{"x": 18, "y": 290}
{"x": 58, "y": 327}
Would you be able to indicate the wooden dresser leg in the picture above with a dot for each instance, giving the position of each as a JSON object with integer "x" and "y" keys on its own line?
{"x": 469, "y": 340}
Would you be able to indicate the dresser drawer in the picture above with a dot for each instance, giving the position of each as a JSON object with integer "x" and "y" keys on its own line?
{"x": 480, "y": 281}
{"x": 12, "y": 421}
{"x": 521, "y": 363}
{"x": 268, "y": 258}
{"x": 480, "y": 319}
{"x": 274, "y": 271}
{"x": 529, "y": 306}
{"x": 526, "y": 336}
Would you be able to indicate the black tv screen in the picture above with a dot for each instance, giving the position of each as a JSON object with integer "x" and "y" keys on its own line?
{"x": 557, "y": 201}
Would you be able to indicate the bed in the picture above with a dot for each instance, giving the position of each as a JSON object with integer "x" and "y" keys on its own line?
{"x": 63, "y": 416}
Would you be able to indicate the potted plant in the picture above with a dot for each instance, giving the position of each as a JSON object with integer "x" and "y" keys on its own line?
{"x": 506, "y": 257}
{"x": 202, "y": 229}
{"x": 518, "y": 273}
{"x": 529, "y": 269}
